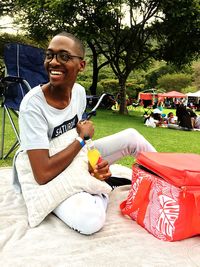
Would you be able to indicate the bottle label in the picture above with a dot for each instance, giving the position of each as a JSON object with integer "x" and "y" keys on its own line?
{"x": 94, "y": 157}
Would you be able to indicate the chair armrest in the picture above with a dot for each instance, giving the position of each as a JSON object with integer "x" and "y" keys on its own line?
{"x": 12, "y": 79}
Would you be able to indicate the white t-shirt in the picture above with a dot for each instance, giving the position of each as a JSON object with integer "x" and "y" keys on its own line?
{"x": 39, "y": 122}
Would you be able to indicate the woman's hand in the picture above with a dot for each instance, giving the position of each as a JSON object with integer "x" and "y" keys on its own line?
{"x": 101, "y": 170}
{"x": 85, "y": 128}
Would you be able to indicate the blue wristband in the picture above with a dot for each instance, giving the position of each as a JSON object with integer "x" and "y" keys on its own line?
{"x": 81, "y": 141}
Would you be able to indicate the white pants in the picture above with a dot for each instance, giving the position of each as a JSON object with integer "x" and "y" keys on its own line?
{"x": 86, "y": 213}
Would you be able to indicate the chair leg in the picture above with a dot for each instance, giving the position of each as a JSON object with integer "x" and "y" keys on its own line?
{"x": 2, "y": 133}
{"x": 15, "y": 145}
{"x": 17, "y": 142}
{"x": 12, "y": 123}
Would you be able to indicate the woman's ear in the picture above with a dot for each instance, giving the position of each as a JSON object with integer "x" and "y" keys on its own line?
{"x": 82, "y": 65}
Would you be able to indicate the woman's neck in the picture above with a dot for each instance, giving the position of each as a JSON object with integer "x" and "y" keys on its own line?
{"x": 57, "y": 97}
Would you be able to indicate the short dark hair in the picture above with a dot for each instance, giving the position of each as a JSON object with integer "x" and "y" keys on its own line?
{"x": 170, "y": 114}
{"x": 76, "y": 40}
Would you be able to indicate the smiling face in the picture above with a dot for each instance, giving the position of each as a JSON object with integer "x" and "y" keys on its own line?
{"x": 63, "y": 74}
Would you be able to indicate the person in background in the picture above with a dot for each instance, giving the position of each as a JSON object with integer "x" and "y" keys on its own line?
{"x": 195, "y": 119}
{"x": 171, "y": 119}
{"x": 160, "y": 106}
{"x": 184, "y": 117}
{"x": 196, "y": 124}
{"x": 51, "y": 109}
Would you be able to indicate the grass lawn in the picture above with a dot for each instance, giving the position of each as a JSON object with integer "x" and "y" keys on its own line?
{"x": 108, "y": 122}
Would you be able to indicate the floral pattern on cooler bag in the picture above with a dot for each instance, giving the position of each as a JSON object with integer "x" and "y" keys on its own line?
{"x": 162, "y": 207}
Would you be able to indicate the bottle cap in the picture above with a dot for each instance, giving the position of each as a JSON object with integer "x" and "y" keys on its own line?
{"x": 86, "y": 137}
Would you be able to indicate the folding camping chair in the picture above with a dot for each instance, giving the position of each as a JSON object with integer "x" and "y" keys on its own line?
{"x": 23, "y": 70}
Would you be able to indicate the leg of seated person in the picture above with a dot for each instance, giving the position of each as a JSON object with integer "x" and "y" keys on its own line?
{"x": 83, "y": 212}
{"x": 125, "y": 143}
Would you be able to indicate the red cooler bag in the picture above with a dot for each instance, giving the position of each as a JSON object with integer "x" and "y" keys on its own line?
{"x": 165, "y": 194}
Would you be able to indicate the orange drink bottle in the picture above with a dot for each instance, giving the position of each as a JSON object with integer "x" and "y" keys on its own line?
{"x": 94, "y": 156}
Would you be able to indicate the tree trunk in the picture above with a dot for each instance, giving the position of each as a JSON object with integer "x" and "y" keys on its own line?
{"x": 122, "y": 108}
{"x": 93, "y": 87}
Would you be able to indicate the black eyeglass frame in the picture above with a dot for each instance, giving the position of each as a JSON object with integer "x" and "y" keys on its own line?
{"x": 59, "y": 56}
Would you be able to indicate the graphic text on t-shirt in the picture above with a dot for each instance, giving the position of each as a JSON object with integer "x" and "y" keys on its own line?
{"x": 65, "y": 126}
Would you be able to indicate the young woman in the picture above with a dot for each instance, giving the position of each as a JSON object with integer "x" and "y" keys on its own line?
{"x": 50, "y": 110}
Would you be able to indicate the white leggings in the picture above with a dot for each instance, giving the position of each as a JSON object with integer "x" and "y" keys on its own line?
{"x": 86, "y": 213}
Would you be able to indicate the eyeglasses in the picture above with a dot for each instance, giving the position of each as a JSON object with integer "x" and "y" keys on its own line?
{"x": 61, "y": 56}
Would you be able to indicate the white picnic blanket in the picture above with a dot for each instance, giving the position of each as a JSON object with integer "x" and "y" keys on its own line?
{"x": 121, "y": 242}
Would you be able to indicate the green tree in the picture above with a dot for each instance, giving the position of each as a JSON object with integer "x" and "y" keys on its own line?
{"x": 175, "y": 82}
{"x": 153, "y": 29}
{"x": 6, "y": 7}
{"x": 196, "y": 68}
{"x": 156, "y": 73}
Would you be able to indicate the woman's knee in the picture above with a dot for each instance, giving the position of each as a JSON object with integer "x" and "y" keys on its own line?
{"x": 91, "y": 220}
{"x": 131, "y": 136}
{"x": 131, "y": 132}
{"x": 136, "y": 142}
{"x": 83, "y": 212}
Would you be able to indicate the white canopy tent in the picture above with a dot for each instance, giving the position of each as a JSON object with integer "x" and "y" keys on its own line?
{"x": 196, "y": 94}
{"x": 194, "y": 99}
